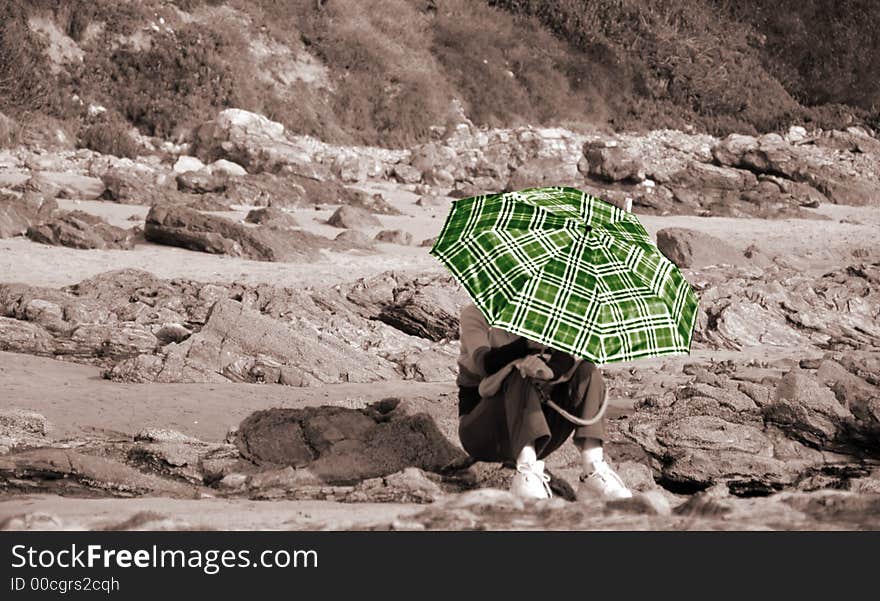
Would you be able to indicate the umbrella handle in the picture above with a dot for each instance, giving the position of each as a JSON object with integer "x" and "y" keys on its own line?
{"x": 600, "y": 413}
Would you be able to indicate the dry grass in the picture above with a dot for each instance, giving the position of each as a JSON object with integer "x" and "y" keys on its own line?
{"x": 396, "y": 65}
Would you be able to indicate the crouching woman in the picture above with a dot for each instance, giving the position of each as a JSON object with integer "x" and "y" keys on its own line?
{"x": 502, "y": 378}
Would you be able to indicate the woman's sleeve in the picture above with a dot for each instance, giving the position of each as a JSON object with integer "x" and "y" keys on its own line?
{"x": 493, "y": 359}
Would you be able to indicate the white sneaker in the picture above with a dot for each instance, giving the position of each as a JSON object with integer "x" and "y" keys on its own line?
{"x": 530, "y": 482}
{"x": 604, "y": 482}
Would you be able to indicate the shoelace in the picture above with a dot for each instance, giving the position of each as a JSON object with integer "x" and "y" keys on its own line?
{"x": 608, "y": 475}
{"x": 527, "y": 470}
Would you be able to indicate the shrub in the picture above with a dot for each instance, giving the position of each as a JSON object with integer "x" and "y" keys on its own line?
{"x": 109, "y": 135}
{"x": 180, "y": 80}
{"x": 823, "y": 51}
{"x": 668, "y": 50}
{"x": 26, "y": 80}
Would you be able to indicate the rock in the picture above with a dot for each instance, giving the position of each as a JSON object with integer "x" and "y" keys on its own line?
{"x": 636, "y": 476}
{"x": 796, "y": 134}
{"x": 730, "y": 150}
{"x": 731, "y": 398}
{"x": 847, "y": 191}
{"x": 240, "y": 344}
{"x": 611, "y": 162}
{"x": 20, "y": 428}
{"x": 541, "y": 172}
{"x": 67, "y": 185}
{"x": 341, "y": 445}
{"x": 851, "y": 391}
{"x": 62, "y": 471}
{"x": 428, "y": 242}
{"x": 177, "y": 460}
{"x": 17, "y": 214}
{"x": 374, "y": 203}
{"x": 202, "y": 182}
{"x": 179, "y": 226}
{"x": 351, "y": 168}
{"x": 349, "y": 239}
{"x": 185, "y": 164}
{"x": 792, "y": 310}
{"x": 807, "y": 410}
{"x": 24, "y": 337}
{"x": 438, "y": 176}
{"x": 256, "y": 143}
{"x": 151, "y": 434}
{"x": 227, "y": 168}
{"x": 704, "y": 175}
{"x": 353, "y": 217}
{"x": 767, "y": 154}
{"x": 854, "y": 139}
{"x": 142, "y": 328}
{"x": 410, "y": 485}
{"x": 272, "y": 217}
{"x": 232, "y": 482}
{"x": 268, "y": 190}
{"x": 140, "y": 187}
{"x": 394, "y": 237}
{"x": 427, "y": 307}
{"x": 78, "y": 229}
{"x": 407, "y": 174}
{"x": 37, "y": 520}
{"x": 207, "y": 202}
{"x": 432, "y": 157}
{"x": 691, "y": 249}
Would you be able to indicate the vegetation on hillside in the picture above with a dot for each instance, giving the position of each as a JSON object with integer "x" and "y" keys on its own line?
{"x": 395, "y": 66}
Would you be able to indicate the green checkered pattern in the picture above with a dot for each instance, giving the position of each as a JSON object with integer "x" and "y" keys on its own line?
{"x": 568, "y": 270}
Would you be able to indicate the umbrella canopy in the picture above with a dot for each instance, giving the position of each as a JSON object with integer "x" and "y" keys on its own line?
{"x": 568, "y": 270}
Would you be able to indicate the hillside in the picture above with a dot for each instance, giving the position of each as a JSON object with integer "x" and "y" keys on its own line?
{"x": 385, "y": 71}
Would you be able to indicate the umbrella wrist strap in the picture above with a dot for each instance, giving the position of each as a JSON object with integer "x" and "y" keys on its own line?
{"x": 600, "y": 413}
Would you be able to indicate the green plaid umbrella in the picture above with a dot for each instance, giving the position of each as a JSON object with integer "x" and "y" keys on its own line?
{"x": 568, "y": 270}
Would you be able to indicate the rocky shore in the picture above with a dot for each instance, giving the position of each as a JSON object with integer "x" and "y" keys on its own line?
{"x": 734, "y": 436}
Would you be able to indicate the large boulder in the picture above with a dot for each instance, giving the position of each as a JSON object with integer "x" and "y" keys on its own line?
{"x": 139, "y": 186}
{"x": 272, "y": 217}
{"x": 185, "y": 164}
{"x": 845, "y": 190}
{"x": 65, "y": 185}
{"x": 692, "y": 249}
{"x": 343, "y": 446}
{"x": 353, "y": 218}
{"x": 807, "y": 410}
{"x": 257, "y": 143}
{"x": 786, "y": 308}
{"x": 540, "y": 172}
{"x": 607, "y": 160}
{"x": 78, "y": 229}
{"x": 426, "y": 306}
{"x": 704, "y": 175}
{"x": 17, "y": 214}
{"x": 202, "y": 181}
{"x": 240, "y": 344}
{"x": 707, "y": 435}
{"x": 64, "y": 471}
{"x": 267, "y": 190}
{"x": 187, "y": 228}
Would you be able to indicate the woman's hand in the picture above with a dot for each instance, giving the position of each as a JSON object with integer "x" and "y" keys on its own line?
{"x": 533, "y": 366}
